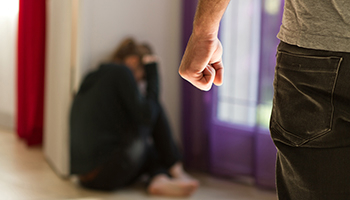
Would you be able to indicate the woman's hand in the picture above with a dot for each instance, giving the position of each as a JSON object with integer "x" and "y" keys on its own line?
{"x": 147, "y": 59}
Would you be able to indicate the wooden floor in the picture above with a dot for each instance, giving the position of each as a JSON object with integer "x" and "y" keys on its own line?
{"x": 25, "y": 175}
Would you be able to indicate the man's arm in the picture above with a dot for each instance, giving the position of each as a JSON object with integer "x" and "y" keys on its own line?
{"x": 201, "y": 63}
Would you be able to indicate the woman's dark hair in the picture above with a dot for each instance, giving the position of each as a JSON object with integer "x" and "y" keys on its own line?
{"x": 127, "y": 47}
{"x": 145, "y": 49}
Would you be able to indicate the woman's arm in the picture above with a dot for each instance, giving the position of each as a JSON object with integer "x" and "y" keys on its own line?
{"x": 142, "y": 109}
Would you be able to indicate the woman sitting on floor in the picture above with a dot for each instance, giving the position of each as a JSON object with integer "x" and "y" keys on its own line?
{"x": 117, "y": 133}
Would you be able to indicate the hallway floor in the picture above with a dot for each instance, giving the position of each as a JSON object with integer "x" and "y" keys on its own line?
{"x": 25, "y": 175}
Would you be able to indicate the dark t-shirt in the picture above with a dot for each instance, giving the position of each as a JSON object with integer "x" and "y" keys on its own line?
{"x": 107, "y": 110}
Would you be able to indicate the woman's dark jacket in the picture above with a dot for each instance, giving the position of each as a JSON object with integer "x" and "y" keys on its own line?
{"x": 107, "y": 110}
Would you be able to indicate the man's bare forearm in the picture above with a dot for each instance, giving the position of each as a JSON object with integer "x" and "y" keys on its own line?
{"x": 201, "y": 63}
{"x": 208, "y": 16}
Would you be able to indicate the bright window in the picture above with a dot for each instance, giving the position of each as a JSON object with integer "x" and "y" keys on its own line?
{"x": 9, "y": 8}
{"x": 249, "y": 45}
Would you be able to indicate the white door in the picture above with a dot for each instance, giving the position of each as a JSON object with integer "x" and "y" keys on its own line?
{"x": 59, "y": 80}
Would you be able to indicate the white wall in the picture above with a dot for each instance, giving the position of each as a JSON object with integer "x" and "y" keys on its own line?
{"x": 8, "y": 37}
{"x": 104, "y": 23}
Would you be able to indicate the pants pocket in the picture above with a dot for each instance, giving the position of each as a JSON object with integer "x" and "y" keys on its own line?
{"x": 303, "y": 100}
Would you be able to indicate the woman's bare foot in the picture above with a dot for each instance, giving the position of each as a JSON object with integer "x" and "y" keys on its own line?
{"x": 178, "y": 172}
{"x": 165, "y": 186}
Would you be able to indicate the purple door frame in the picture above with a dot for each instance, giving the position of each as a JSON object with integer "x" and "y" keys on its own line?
{"x": 221, "y": 148}
{"x": 195, "y": 107}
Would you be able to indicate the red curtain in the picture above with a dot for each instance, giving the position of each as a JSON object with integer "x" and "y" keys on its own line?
{"x": 31, "y": 70}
